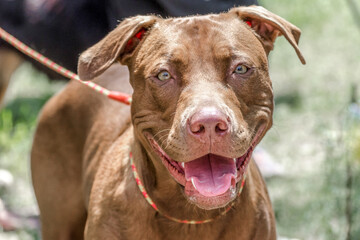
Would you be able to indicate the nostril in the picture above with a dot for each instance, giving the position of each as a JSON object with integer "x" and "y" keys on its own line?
{"x": 202, "y": 129}
{"x": 197, "y": 128}
{"x": 221, "y": 127}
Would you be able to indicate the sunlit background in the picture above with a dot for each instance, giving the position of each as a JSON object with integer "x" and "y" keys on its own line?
{"x": 315, "y": 138}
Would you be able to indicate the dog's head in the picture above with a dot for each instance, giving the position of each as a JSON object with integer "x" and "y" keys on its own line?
{"x": 202, "y": 93}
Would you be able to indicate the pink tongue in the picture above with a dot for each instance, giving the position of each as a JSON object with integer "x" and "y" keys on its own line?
{"x": 211, "y": 175}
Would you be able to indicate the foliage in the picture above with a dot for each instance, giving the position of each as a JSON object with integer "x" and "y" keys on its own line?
{"x": 312, "y": 139}
{"x": 28, "y": 93}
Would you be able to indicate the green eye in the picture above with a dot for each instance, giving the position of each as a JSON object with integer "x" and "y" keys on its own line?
{"x": 164, "y": 75}
{"x": 241, "y": 69}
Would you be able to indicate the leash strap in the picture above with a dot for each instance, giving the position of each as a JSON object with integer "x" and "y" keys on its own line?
{"x": 153, "y": 205}
{"x": 118, "y": 96}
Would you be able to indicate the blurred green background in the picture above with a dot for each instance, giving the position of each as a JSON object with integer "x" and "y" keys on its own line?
{"x": 315, "y": 137}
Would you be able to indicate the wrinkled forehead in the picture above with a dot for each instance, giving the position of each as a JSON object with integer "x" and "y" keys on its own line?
{"x": 222, "y": 35}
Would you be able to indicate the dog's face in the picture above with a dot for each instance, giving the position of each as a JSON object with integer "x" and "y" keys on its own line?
{"x": 202, "y": 98}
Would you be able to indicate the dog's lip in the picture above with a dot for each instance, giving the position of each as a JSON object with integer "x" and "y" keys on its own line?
{"x": 177, "y": 168}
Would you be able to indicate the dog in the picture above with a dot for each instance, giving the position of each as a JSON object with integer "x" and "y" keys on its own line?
{"x": 202, "y": 101}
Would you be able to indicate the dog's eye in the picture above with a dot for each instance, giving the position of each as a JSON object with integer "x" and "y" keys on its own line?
{"x": 164, "y": 75}
{"x": 241, "y": 69}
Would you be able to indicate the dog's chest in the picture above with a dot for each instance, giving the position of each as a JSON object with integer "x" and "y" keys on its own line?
{"x": 130, "y": 217}
{"x": 137, "y": 220}
{"x": 159, "y": 228}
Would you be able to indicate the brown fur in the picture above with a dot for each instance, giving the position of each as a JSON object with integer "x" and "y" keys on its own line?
{"x": 9, "y": 62}
{"x": 80, "y": 156}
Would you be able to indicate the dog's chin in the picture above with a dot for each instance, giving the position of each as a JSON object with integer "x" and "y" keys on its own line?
{"x": 210, "y": 202}
{"x": 211, "y": 181}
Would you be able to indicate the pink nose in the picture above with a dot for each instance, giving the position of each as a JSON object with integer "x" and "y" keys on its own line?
{"x": 208, "y": 121}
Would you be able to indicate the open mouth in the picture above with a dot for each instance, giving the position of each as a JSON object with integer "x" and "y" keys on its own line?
{"x": 209, "y": 181}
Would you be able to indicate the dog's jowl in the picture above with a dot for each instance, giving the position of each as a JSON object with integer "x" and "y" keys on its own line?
{"x": 177, "y": 164}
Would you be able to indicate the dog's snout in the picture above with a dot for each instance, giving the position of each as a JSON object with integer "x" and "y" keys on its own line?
{"x": 208, "y": 121}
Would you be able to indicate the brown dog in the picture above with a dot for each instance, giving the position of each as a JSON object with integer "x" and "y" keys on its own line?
{"x": 202, "y": 101}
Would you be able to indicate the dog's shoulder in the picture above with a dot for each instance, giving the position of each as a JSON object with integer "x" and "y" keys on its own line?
{"x": 78, "y": 107}
{"x": 86, "y": 119}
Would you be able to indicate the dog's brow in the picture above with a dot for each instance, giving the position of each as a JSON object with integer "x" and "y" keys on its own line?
{"x": 223, "y": 52}
{"x": 177, "y": 56}
{"x": 241, "y": 57}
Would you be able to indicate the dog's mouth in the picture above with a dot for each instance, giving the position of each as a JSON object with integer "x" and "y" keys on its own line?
{"x": 209, "y": 181}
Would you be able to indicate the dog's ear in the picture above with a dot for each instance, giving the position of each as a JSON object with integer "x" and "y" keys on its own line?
{"x": 119, "y": 44}
{"x": 269, "y": 26}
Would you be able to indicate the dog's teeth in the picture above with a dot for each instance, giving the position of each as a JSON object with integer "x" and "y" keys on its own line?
{"x": 183, "y": 164}
{"x": 192, "y": 181}
{"x": 234, "y": 160}
{"x": 232, "y": 190}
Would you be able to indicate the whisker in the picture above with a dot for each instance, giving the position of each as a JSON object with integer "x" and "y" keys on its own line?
{"x": 167, "y": 145}
{"x": 173, "y": 114}
{"x": 164, "y": 130}
{"x": 162, "y": 139}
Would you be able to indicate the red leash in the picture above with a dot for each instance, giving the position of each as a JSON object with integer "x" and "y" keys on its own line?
{"x": 118, "y": 96}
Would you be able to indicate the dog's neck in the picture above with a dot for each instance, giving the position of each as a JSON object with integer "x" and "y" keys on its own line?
{"x": 165, "y": 191}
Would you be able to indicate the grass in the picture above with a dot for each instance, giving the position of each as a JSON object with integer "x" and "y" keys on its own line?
{"x": 315, "y": 136}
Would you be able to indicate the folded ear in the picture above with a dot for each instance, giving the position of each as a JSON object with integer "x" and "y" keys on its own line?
{"x": 119, "y": 44}
{"x": 269, "y": 26}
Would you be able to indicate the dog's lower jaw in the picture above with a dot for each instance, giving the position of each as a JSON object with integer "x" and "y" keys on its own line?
{"x": 213, "y": 198}
{"x": 210, "y": 203}
{"x": 211, "y": 181}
